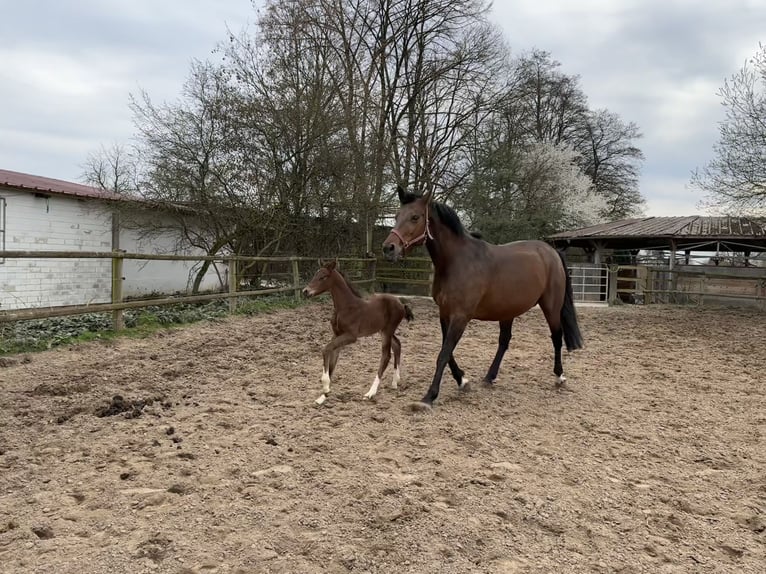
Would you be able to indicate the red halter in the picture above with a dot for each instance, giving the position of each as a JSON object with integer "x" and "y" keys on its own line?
{"x": 419, "y": 240}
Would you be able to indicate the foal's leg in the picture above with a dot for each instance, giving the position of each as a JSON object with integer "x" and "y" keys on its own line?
{"x": 385, "y": 356}
{"x": 455, "y": 330}
{"x": 334, "y": 361}
{"x": 502, "y": 346}
{"x": 330, "y": 349}
{"x": 396, "y": 345}
{"x": 457, "y": 373}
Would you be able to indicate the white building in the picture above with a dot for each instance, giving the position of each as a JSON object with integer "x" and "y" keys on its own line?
{"x": 43, "y": 214}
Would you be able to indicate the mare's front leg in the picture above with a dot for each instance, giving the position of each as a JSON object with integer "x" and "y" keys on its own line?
{"x": 502, "y": 346}
{"x": 457, "y": 373}
{"x": 455, "y": 329}
{"x": 329, "y": 352}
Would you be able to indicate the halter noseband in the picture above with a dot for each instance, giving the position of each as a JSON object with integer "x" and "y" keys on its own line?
{"x": 419, "y": 240}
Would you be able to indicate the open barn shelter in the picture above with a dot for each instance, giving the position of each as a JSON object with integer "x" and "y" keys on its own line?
{"x": 676, "y": 259}
{"x": 200, "y": 450}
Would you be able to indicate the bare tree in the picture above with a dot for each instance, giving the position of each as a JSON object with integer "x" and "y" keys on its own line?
{"x": 111, "y": 169}
{"x": 735, "y": 179}
{"x": 612, "y": 160}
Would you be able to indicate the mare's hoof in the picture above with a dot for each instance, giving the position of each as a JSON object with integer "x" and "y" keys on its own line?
{"x": 488, "y": 382}
{"x": 464, "y": 386}
{"x": 420, "y": 407}
{"x": 561, "y": 381}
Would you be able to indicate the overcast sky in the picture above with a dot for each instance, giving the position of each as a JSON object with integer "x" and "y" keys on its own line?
{"x": 67, "y": 68}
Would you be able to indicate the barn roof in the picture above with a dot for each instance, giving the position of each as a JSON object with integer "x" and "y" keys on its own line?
{"x": 659, "y": 231}
{"x": 35, "y": 183}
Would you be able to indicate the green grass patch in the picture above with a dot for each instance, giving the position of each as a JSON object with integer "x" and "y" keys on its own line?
{"x": 42, "y": 334}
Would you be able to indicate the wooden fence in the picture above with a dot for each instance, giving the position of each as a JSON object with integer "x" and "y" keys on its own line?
{"x": 688, "y": 285}
{"x": 411, "y": 276}
{"x": 118, "y": 304}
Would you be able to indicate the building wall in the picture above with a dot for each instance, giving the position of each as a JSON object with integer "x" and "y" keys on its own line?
{"x": 151, "y": 234}
{"x": 46, "y": 224}
{"x": 62, "y": 223}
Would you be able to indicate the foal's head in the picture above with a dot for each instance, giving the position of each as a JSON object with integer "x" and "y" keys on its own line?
{"x": 411, "y": 228}
{"x": 321, "y": 282}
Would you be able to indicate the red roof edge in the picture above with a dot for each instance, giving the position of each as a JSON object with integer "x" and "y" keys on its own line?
{"x": 40, "y": 184}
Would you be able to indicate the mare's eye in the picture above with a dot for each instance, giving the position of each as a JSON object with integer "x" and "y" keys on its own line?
{"x": 414, "y": 218}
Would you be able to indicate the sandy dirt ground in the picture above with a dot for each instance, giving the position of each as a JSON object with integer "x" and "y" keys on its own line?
{"x": 216, "y": 460}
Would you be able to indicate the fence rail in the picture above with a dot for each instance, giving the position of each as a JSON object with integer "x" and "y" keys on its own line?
{"x": 118, "y": 304}
{"x": 698, "y": 285}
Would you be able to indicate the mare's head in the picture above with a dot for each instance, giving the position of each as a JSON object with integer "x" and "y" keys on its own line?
{"x": 321, "y": 281}
{"x": 411, "y": 228}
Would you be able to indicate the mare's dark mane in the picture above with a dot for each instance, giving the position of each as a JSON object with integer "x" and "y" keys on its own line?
{"x": 445, "y": 213}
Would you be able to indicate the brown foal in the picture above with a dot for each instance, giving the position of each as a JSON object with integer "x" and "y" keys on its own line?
{"x": 354, "y": 317}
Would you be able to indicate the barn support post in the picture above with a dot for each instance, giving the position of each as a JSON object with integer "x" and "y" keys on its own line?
{"x": 673, "y": 274}
{"x": 296, "y": 278}
{"x": 233, "y": 283}
{"x": 118, "y": 321}
{"x": 612, "y": 284}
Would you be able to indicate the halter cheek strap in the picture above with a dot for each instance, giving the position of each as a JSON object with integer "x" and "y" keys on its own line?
{"x": 419, "y": 240}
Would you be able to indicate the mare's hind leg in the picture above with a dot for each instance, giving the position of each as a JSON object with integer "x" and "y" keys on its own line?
{"x": 396, "y": 345}
{"x": 503, "y": 341}
{"x": 385, "y": 357}
{"x": 557, "y": 337}
{"x": 457, "y": 373}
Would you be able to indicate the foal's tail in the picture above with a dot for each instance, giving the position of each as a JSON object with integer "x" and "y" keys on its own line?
{"x": 408, "y": 312}
{"x": 572, "y": 336}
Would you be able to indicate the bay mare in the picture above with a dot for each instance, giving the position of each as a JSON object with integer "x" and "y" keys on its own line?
{"x": 354, "y": 317}
{"x": 474, "y": 279}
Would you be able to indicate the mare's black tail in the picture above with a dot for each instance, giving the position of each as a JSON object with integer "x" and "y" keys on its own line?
{"x": 572, "y": 336}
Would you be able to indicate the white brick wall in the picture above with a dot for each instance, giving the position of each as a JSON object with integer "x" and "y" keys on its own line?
{"x": 61, "y": 223}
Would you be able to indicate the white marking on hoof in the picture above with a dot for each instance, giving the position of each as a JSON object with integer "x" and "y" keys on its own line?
{"x": 396, "y": 379}
{"x": 561, "y": 380}
{"x": 326, "y": 382}
{"x": 321, "y": 399}
{"x": 373, "y": 389}
{"x": 463, "y": 385}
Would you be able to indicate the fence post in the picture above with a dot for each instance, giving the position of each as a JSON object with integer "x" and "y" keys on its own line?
{"x": 371, "y": 265}
{"x": 431, "y": 278}
{"x": 296, "y": 278}
{"x": 233, "y": 283}
{"x": 118, "y": 321}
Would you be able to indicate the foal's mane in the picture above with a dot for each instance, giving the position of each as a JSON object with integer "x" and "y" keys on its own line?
{"x": 445, "y": 213}
{"x": 351, "y": 286}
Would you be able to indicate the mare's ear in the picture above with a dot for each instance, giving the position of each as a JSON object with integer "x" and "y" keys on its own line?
{"x": 400, "y": 192}
{"x": 331, "y": 265}
{"x": 427, "y": 196}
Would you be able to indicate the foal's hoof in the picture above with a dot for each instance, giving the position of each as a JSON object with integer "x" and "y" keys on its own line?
{"x": 561, "y": 381}
{"x": 320, "y": 401}
{"x": 464, "y": 385}
{"x": 420, "y": 407}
